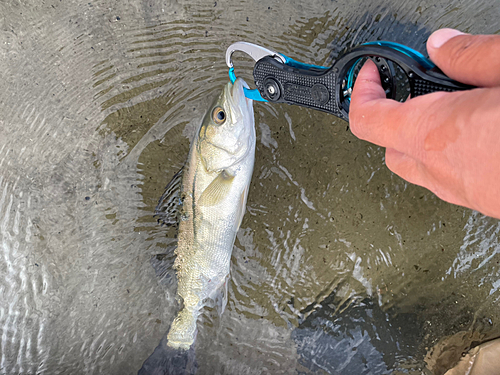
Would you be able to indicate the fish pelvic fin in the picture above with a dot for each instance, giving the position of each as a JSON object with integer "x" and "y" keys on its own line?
{"x": 183, "y": 329}
{"x": 241, "y": 208}
{"x": 167, "y": 210}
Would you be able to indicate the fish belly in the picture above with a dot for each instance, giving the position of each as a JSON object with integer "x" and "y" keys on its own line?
{"x": 202, "y": 265}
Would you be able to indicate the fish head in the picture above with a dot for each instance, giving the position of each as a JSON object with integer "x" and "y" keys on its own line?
{"x": 227, "y": 133}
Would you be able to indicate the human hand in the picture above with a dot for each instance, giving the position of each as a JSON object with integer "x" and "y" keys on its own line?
{"x": 446, "y": 142}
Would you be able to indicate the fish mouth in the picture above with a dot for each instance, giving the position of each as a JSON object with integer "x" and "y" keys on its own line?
{"x": 237, "y": 92}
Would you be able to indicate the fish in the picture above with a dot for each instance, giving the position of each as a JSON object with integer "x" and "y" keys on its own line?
{"x": 208, "y": 197}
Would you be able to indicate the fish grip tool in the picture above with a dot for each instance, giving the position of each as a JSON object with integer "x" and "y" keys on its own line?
{"x": 285, "y": 80}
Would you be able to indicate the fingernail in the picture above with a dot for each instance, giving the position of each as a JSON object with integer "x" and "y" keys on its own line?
{"x": 440, "y": 37}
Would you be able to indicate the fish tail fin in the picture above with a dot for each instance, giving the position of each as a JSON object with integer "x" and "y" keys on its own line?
{"x": 183, "y": 329}
{"x": 169, "y": 361}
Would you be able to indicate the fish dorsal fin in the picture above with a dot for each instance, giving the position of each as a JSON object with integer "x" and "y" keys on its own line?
{"x": 163, "y": 264}
{"x": 217, "y": 190}
{"x": 167, "y": 210}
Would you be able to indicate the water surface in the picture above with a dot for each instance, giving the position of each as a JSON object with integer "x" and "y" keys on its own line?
{"x": 339, "y": 266}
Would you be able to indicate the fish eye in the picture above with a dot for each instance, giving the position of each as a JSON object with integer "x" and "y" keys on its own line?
{"x": 218, "y": 115}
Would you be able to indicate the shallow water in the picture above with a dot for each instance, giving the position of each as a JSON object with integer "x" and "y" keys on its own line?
{"x": 339, "y": 266}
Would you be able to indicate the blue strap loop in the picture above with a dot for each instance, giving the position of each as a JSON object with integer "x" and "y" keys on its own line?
{"x": 250, "y": 94}
{"x": 297, "y": 64}
{"x": 410, "y": 52}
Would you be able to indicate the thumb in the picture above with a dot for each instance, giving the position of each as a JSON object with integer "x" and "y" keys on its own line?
{"x": 471, "y": 59}
{"x": 369, "y": 110}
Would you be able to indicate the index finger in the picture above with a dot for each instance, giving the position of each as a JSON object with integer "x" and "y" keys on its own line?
{"x": 472, "y": 59}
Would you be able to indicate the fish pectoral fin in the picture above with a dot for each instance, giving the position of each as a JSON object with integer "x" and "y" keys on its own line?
{"x": 167, "y": 210}
{"x": 217, "y": 190}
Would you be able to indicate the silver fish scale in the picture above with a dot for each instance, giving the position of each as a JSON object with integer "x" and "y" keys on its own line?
{"x": 297, "y": 88}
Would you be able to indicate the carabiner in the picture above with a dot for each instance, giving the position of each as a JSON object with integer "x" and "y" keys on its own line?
{"x": 256, "y": 52}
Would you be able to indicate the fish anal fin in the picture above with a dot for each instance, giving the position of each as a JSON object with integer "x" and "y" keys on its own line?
{"x": 217, "y": 190}
{"x": 219, "y": 297}
{"x": 222, "y": 296}
{"x": 167, "y": 210}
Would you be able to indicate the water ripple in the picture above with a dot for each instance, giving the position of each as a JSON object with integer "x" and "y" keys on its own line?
{"x": 100, "y": 99}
